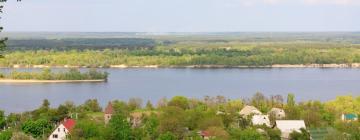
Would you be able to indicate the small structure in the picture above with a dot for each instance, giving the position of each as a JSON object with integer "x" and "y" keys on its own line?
{"x": 205, "y": 135}
{"x": 63, "y": 130}
{"x": 261, "y": 120}
{"x": 109, "y": 111}
{"x": 277, "y": 113}
{"x": 349, "y": 117}
{"x": 288, "y": 126}
{"x": 136, "y": 118}
{"x": 249, "y": 110}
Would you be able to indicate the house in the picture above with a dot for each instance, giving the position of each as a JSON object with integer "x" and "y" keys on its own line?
{"x": 288, "y": 126}
{"x": 261, "y": 120}
{"x": 277, "y": 113}
{"x": 349, "y": 117}
{"x": 249, "y": 110}
{"x": 109, "y": 111}
{"x": 63, "y": 130}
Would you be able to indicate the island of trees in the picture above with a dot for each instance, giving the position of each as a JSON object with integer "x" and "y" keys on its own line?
{"x": 182, "y": 118}
{"x": 47, "y": 74}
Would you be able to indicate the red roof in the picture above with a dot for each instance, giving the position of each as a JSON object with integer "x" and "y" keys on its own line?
{"x": 69, "y": 124}
{"x": 109, "y": 109}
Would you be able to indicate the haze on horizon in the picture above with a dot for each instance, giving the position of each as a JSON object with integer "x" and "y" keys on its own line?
{"x": 181, "y": 16}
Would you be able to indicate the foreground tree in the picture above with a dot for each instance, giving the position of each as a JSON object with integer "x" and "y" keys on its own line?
{"x": 302, "y": 135}
{"x": 85, "y": 130}
{"x": 2, "y": 41}
{"x": 119, "y": 128}
{"x": 5, "y": 135}
{"x": 2, "y": 120}
{"x": 172, "y": 120}
{"x": 37, "y": 128}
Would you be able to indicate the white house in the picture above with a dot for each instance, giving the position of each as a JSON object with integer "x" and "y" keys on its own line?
{"x": 288, "y": 126}
{"x": 62, "y": 131}
{"x": 249, "y": 110}
{"x": 278, "y": 113}
{"x": 261, "y": 120}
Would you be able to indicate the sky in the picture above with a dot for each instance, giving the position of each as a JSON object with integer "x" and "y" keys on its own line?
{"x": 181, "y": 16}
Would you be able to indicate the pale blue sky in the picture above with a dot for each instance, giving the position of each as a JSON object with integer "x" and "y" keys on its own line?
{"x": 182, "y": 15}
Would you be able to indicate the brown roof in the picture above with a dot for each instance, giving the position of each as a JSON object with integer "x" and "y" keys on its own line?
{"x": 109, "y": 109}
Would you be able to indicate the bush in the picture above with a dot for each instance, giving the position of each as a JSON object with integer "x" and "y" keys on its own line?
{"x": 5, "y": 135}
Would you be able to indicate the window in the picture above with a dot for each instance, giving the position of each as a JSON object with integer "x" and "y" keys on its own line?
{"x": 58, "y": 129}
{"x": 55, "y": 136}
{"x": 64, "y": 129}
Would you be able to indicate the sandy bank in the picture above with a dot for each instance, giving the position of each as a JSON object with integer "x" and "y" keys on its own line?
{"x": 49, "y": 81}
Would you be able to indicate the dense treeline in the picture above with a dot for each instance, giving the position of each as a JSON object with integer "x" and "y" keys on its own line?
{"x": 232, "y": 54}
{"x": 46, "y": 74}
{"x": 182, "y": 118}
{"x": 78, "y": 43}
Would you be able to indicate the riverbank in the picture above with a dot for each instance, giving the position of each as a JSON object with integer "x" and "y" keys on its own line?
{"x": 353, "y": 65}
{"x": 9, "y": 81}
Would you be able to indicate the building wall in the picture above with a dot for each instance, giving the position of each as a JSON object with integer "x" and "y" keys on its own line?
{"x": 60, "y": 131}
{"x": 107, "y": 118}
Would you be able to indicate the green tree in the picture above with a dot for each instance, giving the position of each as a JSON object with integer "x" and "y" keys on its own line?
{"x": 85, "y": 130}
{"x": 149, "y": 105}
{"x": 91, "y": 105}
{"x": 151, "y": 124}
{"x": 2, "y": 41}
{"x": 179, "y": 101}
{"x": 2, "y": 120}
{"x": 247, "y": 134}
{"x": 119, "y": 128}
{"x": 38, "y": 128}
{"x": 172, "y": 120}
{"x": 167, "y": 136}
{"x": 273, "y": 134}
{"x": 5, "y": 135}
{"x": 302, "y": 135}
{"x": 121, "y": 107}
{"x": 134, "y": 103}
{"x": 291, "y": 100}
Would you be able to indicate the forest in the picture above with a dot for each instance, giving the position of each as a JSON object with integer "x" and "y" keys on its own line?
{"x": 182, "y": 118}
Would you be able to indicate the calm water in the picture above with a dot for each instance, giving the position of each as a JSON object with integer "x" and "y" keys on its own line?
{"x": 153, "y": 84}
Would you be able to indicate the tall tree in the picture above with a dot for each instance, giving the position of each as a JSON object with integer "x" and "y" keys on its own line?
{"x": 119, "y": 128}
{"x": 2, "y": 41}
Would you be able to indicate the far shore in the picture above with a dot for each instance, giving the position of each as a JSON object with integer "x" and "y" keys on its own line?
{"x": 352, "y": 65}
{"x": 50, "y": 81}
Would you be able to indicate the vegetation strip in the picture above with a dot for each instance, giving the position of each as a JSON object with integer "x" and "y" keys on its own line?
{"x": 46, "y": 76}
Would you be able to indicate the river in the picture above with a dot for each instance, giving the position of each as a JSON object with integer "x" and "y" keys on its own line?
{"x": 153, "y": 84}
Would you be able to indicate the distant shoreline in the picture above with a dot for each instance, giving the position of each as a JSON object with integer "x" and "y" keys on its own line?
{"x": 353, "y": 65}
{"x": 50, "y": 81}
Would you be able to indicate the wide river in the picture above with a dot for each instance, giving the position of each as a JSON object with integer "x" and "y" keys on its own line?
{"x": 153, "y": 84}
